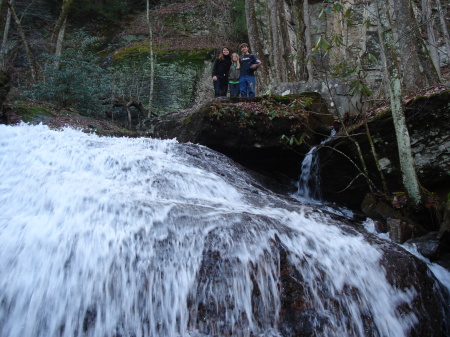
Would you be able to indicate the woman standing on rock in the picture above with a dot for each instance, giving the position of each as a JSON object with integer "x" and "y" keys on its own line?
{"x": 220, "y": 73}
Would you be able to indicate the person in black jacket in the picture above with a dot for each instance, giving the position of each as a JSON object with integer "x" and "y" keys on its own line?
{"x": 220, "y": 73}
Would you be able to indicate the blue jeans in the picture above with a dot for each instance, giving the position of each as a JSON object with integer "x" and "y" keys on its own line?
{"x": 234, "y": 89}
{"x": 247, "y": 85}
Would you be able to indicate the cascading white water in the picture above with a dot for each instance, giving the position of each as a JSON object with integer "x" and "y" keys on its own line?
{"x": 308, "y": 185}
{"x": 142, "y": 237}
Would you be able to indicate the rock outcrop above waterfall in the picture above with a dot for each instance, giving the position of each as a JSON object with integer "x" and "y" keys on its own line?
{"x": 428, "y": 120}
{"x": 268, "y": 134}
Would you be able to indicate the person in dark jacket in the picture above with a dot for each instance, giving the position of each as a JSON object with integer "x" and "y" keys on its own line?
{"x": 249, "y": 63}
{"x": 220, "y": 71}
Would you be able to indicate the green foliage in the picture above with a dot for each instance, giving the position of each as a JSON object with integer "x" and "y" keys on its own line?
{"x": 337, "y": 7}
{"x": 343, "y": 70}
{"x": 322, "y": 44}
{"x": 264, "y": 111}
{"x": 294, "y": 140}
{"x": 34, "y": 13}
{"x": 240, "y": 32}
{"x": 358, "y": 86}
{"x": 103, "y": 10}
{"x": 30, "y": 113}
{"x": 79, "y": 82}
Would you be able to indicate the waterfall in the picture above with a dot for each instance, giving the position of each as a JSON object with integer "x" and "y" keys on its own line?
{"x": 144, "y": 237}
{"x": 308, "y": 185}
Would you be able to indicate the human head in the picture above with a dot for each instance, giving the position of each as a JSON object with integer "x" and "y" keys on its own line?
{"x": 235, "y": 59}
{"x": 242, "y": 45}
{"x": 224, "y": 53}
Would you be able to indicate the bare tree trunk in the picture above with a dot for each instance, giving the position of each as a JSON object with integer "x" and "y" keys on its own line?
{"x": 428, "y": 20}
{"x": 280, "y": 43}
{"x": 3, "y": 11}
{"x": 59, "y": 43}
{"x": 61, "y": 20}
{"x": 5, "y": 36}
{"x": 288, "y": 74}
{"x": 59, "y": 31}
{"x": 273, "y": 25}
{"x": 376, "y": 158}
{"x": 386, "y": 34}
{"x": 256, "y": 45}
{"x": 24, "y": 41}
{"x": 444, "y": 29}
{"x": 152, "y": 62}
{"x": 251, "y": 22}
{"x": 308, "y": 43}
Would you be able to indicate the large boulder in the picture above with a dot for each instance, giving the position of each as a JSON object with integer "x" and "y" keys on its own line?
{"x": 300, "y": 315}
{"x": 428, "y": 120}
{"x": 266, "y": 134}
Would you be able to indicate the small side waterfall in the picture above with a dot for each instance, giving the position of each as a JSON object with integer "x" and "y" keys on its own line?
{"x": 103, "y": 237}
{"x": 308, "y": 185}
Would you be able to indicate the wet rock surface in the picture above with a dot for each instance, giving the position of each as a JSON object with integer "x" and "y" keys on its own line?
{"x": 258, "y": 138}
{"x": 300, "y": 317}
{"x": 428, "y": 120}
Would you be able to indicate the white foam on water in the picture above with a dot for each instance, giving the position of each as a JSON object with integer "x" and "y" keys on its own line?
{"x": 106, "y": 237}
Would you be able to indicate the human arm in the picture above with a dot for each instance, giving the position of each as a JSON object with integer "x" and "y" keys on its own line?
{"x": 255, "y": 63}
{"x": 214, "y": 70}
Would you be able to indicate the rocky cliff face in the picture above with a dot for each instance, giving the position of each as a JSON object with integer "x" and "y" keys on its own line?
{"x": 283, "y": 33}
{"x": 269, "y": 135}
{"x": 183, "y": 47}
{"x": 428, "y": 120}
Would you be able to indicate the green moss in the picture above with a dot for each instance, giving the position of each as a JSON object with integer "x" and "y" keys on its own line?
{"x": 186, "y": 56}
{"x": 443, "y": 95}
{"x": 188, "y": 119}
{"x": 134, "y": 51}
{"x": 140, "y": 51}
{"x": 32, "y": 113}
{"x": 307, "y": 99}
{"x": 387, "y": 114}
{"x": 262, "y": 110}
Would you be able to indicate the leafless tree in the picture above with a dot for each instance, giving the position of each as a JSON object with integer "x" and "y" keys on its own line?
{"x": 387, "y": 34}
{"x": 30, "y": 58}
{"x": 152, "y": 61}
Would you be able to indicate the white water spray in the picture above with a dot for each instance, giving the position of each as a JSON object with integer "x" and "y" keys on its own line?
{"x": 141, "y": 237}
{"x": 308, "y": 185}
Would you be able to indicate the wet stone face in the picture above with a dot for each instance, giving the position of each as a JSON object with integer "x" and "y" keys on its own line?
{"x": 157, "y": 238}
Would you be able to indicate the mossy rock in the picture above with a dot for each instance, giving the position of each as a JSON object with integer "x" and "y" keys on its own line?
{"x": 139, "y": 52}
{"x": 34, "y": 113}
{"x": 176, "y": 74}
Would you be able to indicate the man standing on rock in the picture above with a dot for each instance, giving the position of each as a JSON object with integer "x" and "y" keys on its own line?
{"x": 249, "y": 63}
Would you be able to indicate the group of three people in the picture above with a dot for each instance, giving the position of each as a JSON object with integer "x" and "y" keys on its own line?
{"x": 236, "y": 72}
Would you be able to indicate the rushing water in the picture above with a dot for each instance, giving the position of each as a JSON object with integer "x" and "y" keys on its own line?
{"x": 308, "y": 185}
{"x": 142, "y": 237}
